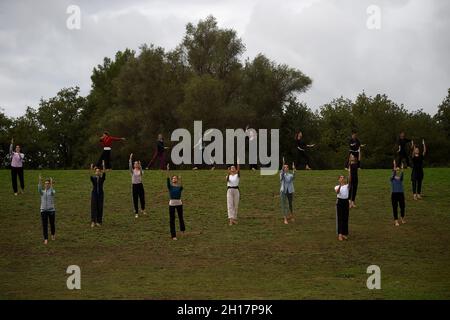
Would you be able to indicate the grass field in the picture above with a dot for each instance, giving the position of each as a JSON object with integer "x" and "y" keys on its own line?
{"x": 260, "y": 258}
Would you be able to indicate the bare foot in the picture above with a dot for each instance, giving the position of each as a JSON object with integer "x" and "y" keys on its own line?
{"x": 53, "y": 237}
{"x": 419, "y": 196}
{"x": 174, "y": 238}
{"x": 235, "y": 221}
{"x": 345, "y": 237}
{"x": 45, "y": 241}
{"x": 403, "y": 220}
{"x": 340, "y": 238}
{"x": 415, "y": 197}
{"x": 92, "y": 224}
{"x": 285, "y": 221}
{"x": 98, "y": 224}
{"x": 230, "y": 222}
{"x": 396, "y": 223}
{"x": 136, "y": 216}
{"x": 143, "y": 212}
{"x": 15, "y": 193}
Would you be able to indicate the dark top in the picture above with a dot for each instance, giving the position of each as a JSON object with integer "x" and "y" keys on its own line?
{"x": 160, "y": 146}
{"x": 174, "y": 191}
{"x": 402, "y": 143}
{"x": 354, "y": 144}
{"x": 97, "y": 183}
{"x": 396, "y": 183}
{"x": 417, "y": 167}
{"x": 301, "y": 144}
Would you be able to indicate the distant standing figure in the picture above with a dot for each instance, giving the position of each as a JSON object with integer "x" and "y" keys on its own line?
{"x": 106, "y": 141}
{"x": 16, "y": 167}
{"x": 175, "y": 187}
{"x": 287, "y": 191}
{"x": 97, "y": 195}
{"x": 403, "y": 153}
{"x": 342, "y": 208}
{"x": 302, "y": 155}
{"x": 137, "y": 185}
{"x": 397, "y": 195}
{"x": 160, "y": 153}
{"x": 48, "y": 212}
{"x": 353, "y": 170}
{"x": 417, "y": 170}
{"x": 233, "y": 194}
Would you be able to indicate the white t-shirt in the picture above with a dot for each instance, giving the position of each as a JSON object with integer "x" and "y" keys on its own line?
{"x": 233, "y": 180}
{"x": 343, "y": 193}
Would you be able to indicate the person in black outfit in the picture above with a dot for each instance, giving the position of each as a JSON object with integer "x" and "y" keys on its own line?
{"x": 353, "y": 169}
{"x": 402, "y": 143}
{"x": 160, "y": 153}
{"x": 417, "y": 170}
{"x": 302, "y": 155}
{"x": 354, "y": 149}
{"x": 97, "y": 195}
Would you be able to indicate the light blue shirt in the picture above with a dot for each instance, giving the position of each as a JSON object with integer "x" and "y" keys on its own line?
{"x": 47, "y": 198}
{"x": 287, "y": 182}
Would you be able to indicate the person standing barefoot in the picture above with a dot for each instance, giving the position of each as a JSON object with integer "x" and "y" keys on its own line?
{"x": 417, "y": 170}
{"x": 342, "y": 207}
{"x": 16, "y": 157}
{"x": 137, "y": 185}
{"x": 48, "y": 212}
{"x": 397, "y": 195}
{"x": 287, "y": 191}
{"x": 175, "y": 187}
{"x": 233, "y": 194}
{"x": 353, "y": 171}
{"x": 97, "y": 195}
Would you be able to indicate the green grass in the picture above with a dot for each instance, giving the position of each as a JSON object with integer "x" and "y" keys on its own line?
{"x": 260, "y": 258}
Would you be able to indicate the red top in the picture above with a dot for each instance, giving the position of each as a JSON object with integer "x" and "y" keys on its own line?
{"x": 108, "y": 140}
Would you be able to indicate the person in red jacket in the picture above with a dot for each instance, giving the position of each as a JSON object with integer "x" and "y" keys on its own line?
{"x": 106, "y": 141}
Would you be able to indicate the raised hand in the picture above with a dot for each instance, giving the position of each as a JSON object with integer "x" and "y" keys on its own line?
{"x": 168, "y": 166}
{"x": 293, "y": 166}
{"x": 131, "y": 156}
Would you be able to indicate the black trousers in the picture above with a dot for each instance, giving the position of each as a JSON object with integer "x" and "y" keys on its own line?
{"x": 417, "y": 186}
{"x": 17, "y": 171}
{"x": 106, "y": 156}
{"x": 138, "y": 194}
{"x": 342, "y": 215}
{"x": 97, "y": 207}
{"x": 45, "y": 217}
{"x": 401, "y": 156}
{"x": 172, "y": 219}
{"x": 353, "y": 189}
{"x": 302, "y": 158}
{"x": 398, "y": 199}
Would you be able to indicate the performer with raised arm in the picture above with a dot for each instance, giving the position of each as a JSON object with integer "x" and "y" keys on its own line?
{"x": 106, "y": 141}
{"x": 48, "y": 212}
{"x": 287, "y": 191}
{"x": 175, "y": 186}
{"x": 354, "y": 149}
{"x": 16, "y": 157}
{"x": 417, "y": 170}
{"x": 137, "y": 185}
{"x": 200, "y": 147}
{"x": 342, "y": 207}
{"x": 233, "y": 177}
{"x": 397, "y": 195}
{"x": 302, "y": 154}
{"x": 403, "y": 149}
{"x": 160, "y": 153}
{"x": 98, "y": 178}
{"x": 252, "y": 136}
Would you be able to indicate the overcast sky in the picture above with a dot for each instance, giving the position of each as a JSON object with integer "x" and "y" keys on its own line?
{"x": 407, "y": 58}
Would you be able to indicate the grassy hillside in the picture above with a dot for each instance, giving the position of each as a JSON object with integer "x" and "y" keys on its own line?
{"x": 260, "y": 258}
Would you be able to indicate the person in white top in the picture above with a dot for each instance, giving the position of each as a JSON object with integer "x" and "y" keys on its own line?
{"x": 233, "y": 194}
{"x": 342, "y": 208}
{"x": 138, "y": 191}
{"x": 16, "y": 157}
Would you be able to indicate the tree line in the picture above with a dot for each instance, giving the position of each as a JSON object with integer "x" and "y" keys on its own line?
{"x": 140, "y": 94}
